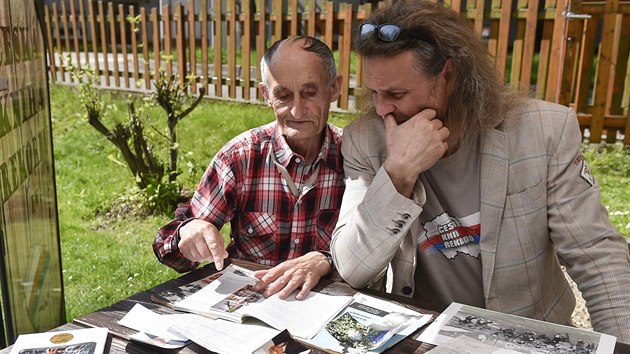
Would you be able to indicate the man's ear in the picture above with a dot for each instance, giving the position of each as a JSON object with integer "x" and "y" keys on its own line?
{"x": 337, "y": 84}
{"x": 448, "y": 73}
{"x": 263, "y": 90}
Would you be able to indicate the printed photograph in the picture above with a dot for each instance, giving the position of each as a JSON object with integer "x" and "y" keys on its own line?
{"x": 352, "y": 334}
{"x": 513, "y": 333}
{"x": 81, "y": 348}
{"x": 244, "y": 296}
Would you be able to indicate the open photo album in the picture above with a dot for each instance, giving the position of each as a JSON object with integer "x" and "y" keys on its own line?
{"x": 232, "y": 297}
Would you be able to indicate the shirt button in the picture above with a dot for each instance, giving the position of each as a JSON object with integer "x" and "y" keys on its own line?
{"x": 250, "y": 230}
{"x": 296, "y": 241}
{"x": 395, "y": 231}
{"x": 406, "y": 216}
{"x": 297, "y": 160}
{"x": 406, "y": 290}
{"x": 400, "y": 225}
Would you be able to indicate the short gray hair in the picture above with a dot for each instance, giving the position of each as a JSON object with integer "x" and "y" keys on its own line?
{"x": 309, "y": 44}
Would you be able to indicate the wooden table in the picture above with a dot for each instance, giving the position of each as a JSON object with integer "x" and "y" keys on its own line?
{"x": 118, "y": 339}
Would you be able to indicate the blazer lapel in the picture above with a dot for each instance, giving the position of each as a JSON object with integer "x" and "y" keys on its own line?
{"x": 493, "y": 184}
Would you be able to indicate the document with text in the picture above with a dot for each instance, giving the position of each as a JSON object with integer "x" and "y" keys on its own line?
{"x": 233, "y": 298}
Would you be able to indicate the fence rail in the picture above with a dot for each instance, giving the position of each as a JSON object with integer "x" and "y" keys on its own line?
{"x": 572, "y": 52}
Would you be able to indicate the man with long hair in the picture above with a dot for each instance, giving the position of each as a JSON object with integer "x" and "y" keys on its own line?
{"x": 458, "y": 189}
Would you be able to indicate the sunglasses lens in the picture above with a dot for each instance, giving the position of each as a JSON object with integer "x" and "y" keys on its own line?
{"x": 366, "y": 29}
{"x": 388, "y": 33}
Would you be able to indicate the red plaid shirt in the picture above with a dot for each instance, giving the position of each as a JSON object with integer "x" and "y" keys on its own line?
{"x": 242, "y": 185}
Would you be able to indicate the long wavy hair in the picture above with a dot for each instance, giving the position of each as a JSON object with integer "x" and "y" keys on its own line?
{"x": 477, "y": 99}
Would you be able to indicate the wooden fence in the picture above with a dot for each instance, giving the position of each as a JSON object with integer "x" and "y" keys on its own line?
{"x": 573, "y": 52}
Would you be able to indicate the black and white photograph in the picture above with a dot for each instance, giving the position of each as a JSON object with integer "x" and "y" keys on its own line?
{"x": 514, "y": 333}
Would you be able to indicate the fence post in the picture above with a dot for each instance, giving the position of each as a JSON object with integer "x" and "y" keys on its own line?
{"x": 604, "y": 66}
{"x": 180, "y": 33}
{"x": 217, "y": 41}
{"x": 345, "y": 38}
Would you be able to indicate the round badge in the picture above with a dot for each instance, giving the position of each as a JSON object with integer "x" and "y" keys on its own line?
{"x": 61, "y": 338}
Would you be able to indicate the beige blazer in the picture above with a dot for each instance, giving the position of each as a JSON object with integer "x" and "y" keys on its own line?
{"x": 539, "y": 207}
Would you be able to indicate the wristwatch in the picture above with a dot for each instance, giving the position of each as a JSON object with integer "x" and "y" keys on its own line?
{"x": 330, "y": 261}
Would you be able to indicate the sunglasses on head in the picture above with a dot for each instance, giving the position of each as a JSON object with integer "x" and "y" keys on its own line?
{"x": 387, "y": 32}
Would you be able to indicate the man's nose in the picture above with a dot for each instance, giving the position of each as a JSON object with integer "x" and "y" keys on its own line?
{"x": 383, "y": 107}
{"x": 298, "y": 108}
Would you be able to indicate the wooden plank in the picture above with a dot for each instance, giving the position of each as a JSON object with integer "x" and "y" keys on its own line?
{"x": 311, "y": 18}
{"x": 246, "y": 12}
{"x": 294, "y": 18}
{"x": 133, "y": 29}
{"x": 231, "y": 48}
{"x": 112, "y": 37}
{"x": 49, "y": 41}
{"x": 204, "y": 42}
{"x": 456, "y": 5}
{"x": 260, "y": 41}
{"x": 168, "y": 52}
{"x": 157, "y": 71}
{"x": 180, "y": 39}
{"x": 621, "y": 53}
{"x": 616, "y": 81}
{"x": 556, "y": 53}
{"x": 192, "y": 46}
{"x": 101, "y": 20}
{"x": 479, "y": 11}
{"x": 605, "y": 64}
{"x": 218, "y": 47}
{"x": 517, "y": 53}
{"x": 529, "y": 43}
{"x": 569, "y": 72}
{"x": 367, "y": 11}
{"x": 585, "y": 73}
{"x": 66, "y": 28}
{"x": 146, "y": 73}
{"x": 95, "y": 52}
{"x": 75, "y": 34}
{"x": 543, "y": 59}
{"x": 504, "y": 36}
{"x": 493, "y": 35}
{"x": 86, "y": 50}
{"x": 345, "y": 40}
{"x": 329, "y": 24}
{"x": 276, "y": 18}
{"x": 123, "y": 43}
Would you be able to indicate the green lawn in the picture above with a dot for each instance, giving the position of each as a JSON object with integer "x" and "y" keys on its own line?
{"x": 106, "y": 258}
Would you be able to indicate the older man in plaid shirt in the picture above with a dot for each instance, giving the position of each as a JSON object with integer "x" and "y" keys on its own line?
{"x": 279, "y": 185}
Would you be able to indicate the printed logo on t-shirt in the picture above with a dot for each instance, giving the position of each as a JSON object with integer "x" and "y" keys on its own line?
{"x": 451, "y": 235}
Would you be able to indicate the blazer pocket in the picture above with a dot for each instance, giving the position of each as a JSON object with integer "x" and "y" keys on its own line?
{"x": 527, "y": 202}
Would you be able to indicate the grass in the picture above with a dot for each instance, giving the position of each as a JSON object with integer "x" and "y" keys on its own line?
{"x": 106, "y": 259}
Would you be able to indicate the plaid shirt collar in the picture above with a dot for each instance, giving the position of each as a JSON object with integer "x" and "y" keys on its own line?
{"x": 328, "y": 153}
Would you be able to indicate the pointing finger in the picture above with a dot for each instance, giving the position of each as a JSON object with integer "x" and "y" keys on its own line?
{"x": 216, "y": 249}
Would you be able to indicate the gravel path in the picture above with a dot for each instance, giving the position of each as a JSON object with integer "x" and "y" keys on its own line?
{"x": 580, "y": 316}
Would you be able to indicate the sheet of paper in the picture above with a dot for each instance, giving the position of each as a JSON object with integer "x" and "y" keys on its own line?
{"x": 223, "y": 336}
{"x": 463, "y": 344}
{"x": 512, "y": 332}
{"x": 88, "y": 340}
{"x": 153, "y": 328}
{"x": 368, "y": 325}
